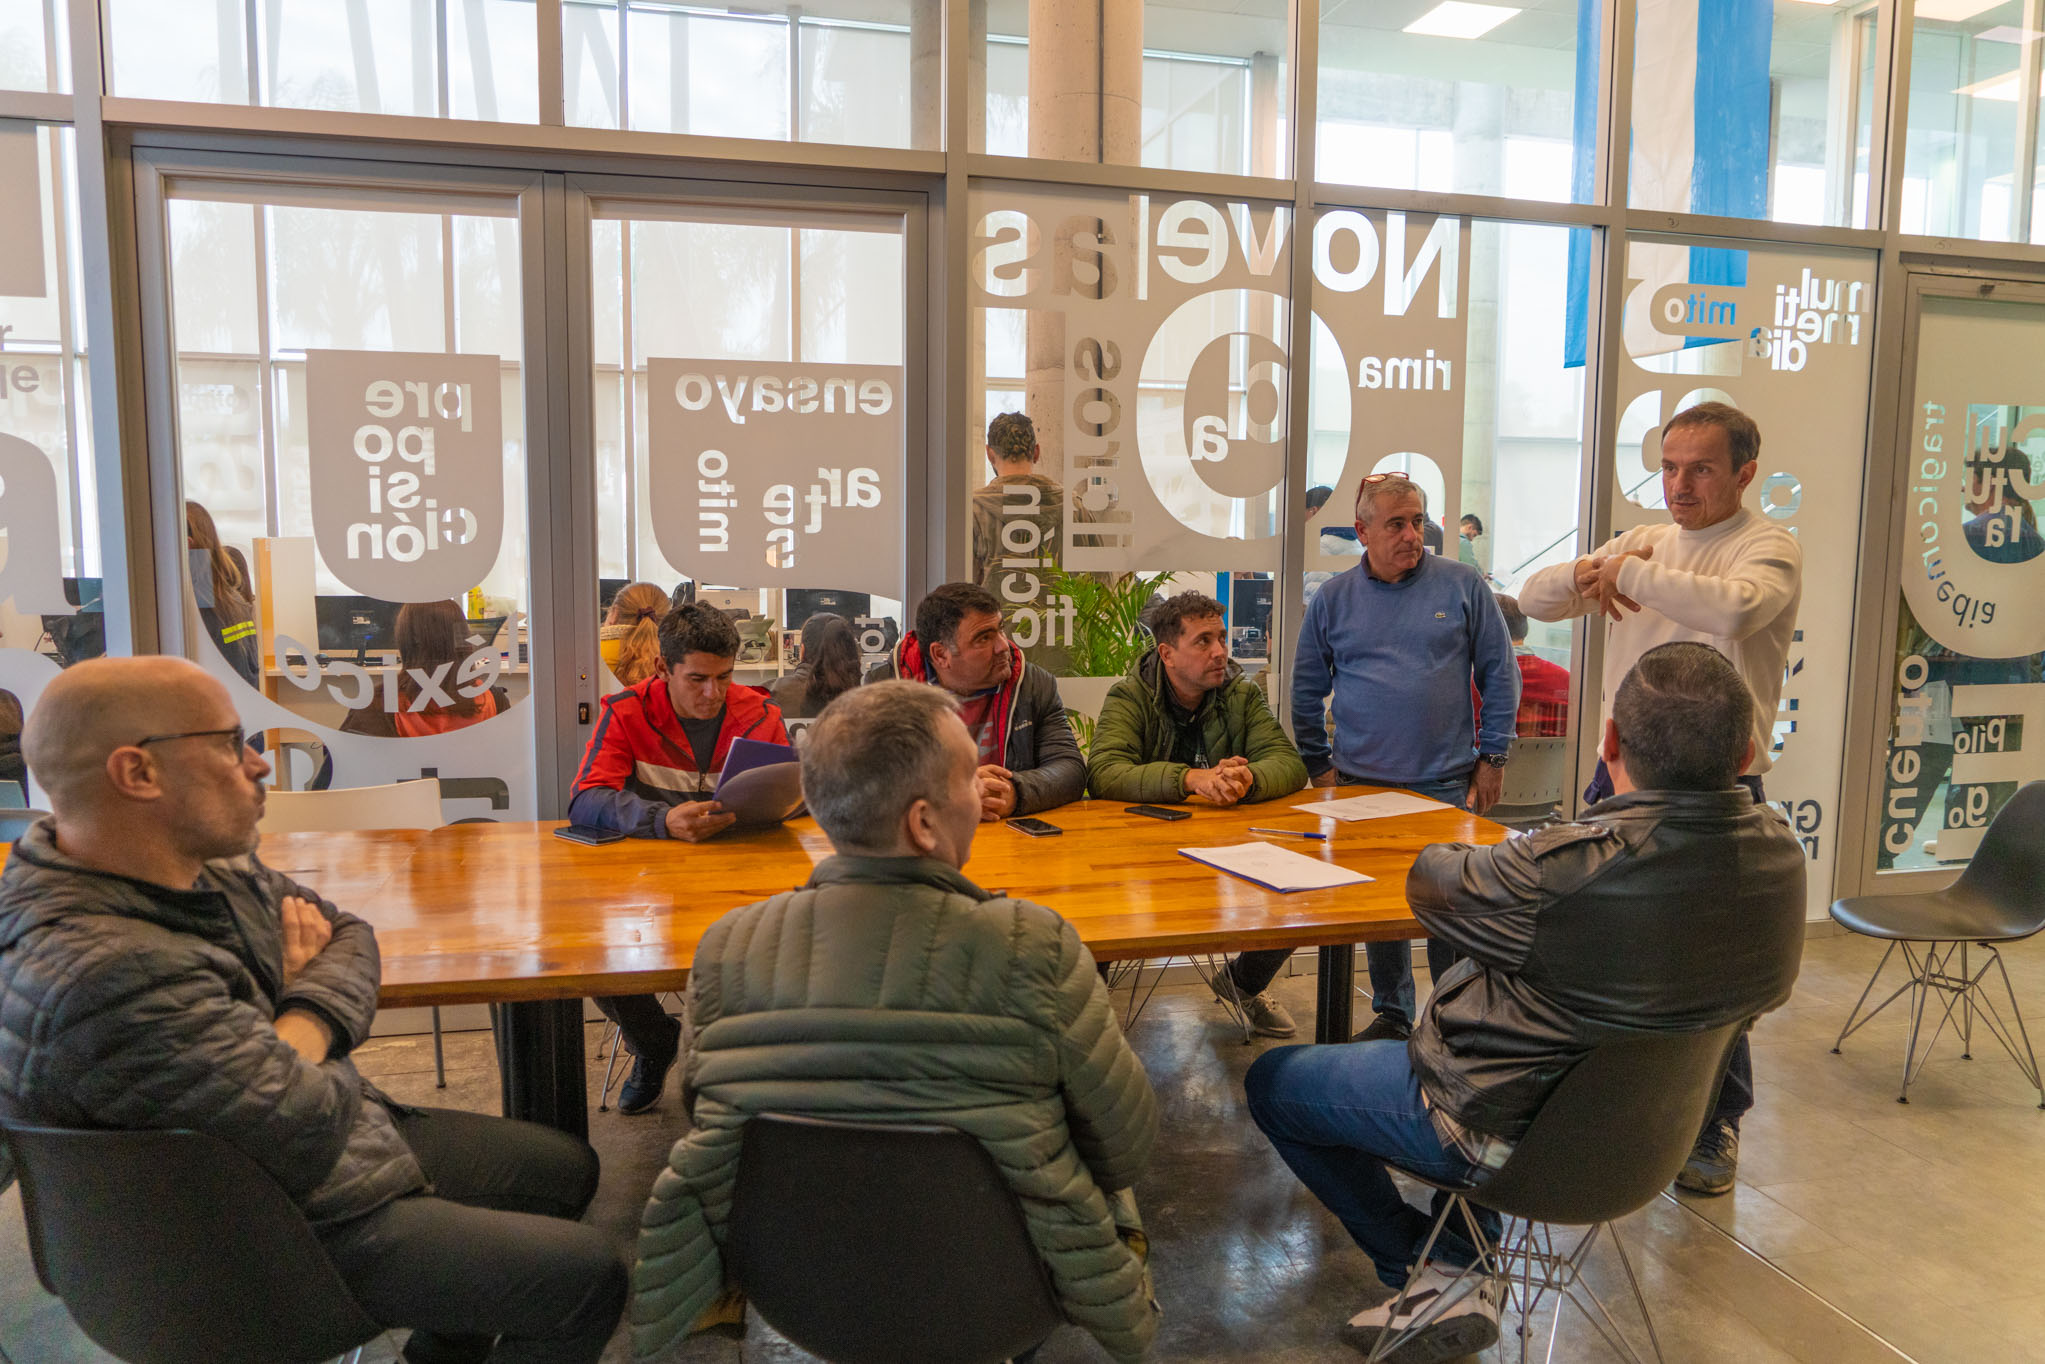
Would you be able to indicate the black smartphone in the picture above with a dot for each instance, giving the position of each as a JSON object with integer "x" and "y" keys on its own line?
{"x": 1035, "y": 828}
{"x": 588, "y": 833}
{"x": 1157, "y": 812}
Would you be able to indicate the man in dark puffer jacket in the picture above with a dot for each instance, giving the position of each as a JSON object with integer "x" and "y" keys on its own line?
{"x": 154, "y": 974}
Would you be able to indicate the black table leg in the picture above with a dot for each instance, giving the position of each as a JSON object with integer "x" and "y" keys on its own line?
{"x": 1334, "y": 992}
{"x": 539, "y": 1060}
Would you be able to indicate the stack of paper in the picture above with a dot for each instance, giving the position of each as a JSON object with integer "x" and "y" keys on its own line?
{"x": 1280, "y": 869}
{"x": 1380, "y": 805}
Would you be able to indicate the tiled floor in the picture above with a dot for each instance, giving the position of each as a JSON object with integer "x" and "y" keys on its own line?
{"x": 1862, "y": 1229}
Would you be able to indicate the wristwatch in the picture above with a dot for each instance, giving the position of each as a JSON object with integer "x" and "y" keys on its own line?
{"x": 1495, "y": 759}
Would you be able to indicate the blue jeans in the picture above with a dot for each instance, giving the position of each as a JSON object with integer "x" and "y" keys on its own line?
{"x": 1736, "y": 1091}
{"x": 1391, "y": 963}
{"x": 1337, "y": 1115}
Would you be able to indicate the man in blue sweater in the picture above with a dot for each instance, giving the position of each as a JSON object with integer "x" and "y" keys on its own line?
{"x": 1399, "y": 640}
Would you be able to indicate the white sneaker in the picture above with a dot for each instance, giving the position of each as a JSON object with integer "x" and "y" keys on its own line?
{"x": 1265, "y": 1015}
{"x": 1469, "y": 1325}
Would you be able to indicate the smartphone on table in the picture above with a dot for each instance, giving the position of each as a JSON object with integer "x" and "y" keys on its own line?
{"x": 1035, "y": 828}
{"x": 588, "y": 833}
{"x": 1157, "y": 812}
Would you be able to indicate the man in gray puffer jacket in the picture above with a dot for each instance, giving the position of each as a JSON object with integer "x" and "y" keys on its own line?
{"x": 892, "y": 988}
{"x": 155, "y": 975}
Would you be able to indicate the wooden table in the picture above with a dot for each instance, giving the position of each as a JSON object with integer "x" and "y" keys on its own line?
{"x": 509, "y": 915}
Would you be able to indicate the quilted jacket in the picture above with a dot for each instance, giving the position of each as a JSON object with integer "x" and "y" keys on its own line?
{"x": 896, "y": 989}
{"x": 129, "y": 1005}
{"x": 1134, "y": 742}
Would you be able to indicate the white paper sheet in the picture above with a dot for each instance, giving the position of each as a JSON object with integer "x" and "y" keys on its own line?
{"x": 1380, "y": 805}
{"x": 1280, "y": 869}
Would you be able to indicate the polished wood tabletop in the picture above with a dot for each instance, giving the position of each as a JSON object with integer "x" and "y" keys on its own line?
{"x": 507, "y": 912}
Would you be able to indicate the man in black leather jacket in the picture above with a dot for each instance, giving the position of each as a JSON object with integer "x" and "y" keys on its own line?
{"x": 1676, "y": 905}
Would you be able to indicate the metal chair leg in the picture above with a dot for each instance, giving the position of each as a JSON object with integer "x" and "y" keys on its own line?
{"x": 1853, "y": 1027}
{"x": 613, "y": 1039}
{"x": 439, "y": 1055}
{"x": 1219, "y": 979}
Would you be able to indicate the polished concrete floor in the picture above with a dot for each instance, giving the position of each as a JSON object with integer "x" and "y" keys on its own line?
{"x": 1861, "y": 1230}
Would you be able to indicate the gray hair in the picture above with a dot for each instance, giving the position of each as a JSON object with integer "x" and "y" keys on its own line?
{"x": 873, "y": 753}
{"x": 1398, "y": 485}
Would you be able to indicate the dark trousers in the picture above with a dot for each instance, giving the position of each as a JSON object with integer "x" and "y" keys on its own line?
{"x": 1390, "y": 964}
{"x": 492, "y": 1265}
{"x": 1253, "y": 972}
{"x": 1736, "y": 1091}
{"x": 646, "y": 1027}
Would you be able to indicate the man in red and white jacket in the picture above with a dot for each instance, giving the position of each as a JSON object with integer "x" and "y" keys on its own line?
{"x": 650, "y": 770}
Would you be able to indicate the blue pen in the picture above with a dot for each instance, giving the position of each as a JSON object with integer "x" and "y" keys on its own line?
{"x": 1290, "y": 833}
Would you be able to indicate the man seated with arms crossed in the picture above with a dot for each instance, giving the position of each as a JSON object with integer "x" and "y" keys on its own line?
{"x": 1185, "y": 725}
{"x": 649, "y": 771}
{"x": 1029, "y": 759}
{"x": 159, "y": 976}
{"x": 890, "y": 988}
{"x": 1674, "y": 906}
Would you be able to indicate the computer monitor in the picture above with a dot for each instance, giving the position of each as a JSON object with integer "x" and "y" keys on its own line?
{"x": 488, "y": 627}
{"x": 611, "y": 587}
{"x": 1249, "y": 617}
{"x": 804, "y": 602}
{"x": 84, "y": 593}
{"x": 355, "y": 625}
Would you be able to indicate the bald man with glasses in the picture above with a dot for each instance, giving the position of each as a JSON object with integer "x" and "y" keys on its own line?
{"x": 159, "y": 976}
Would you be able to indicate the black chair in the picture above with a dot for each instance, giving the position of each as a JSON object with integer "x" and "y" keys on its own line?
{"x": 175, "y": 1248}
{"x": 866, "y": 1243}
{"x": 1998, "y": 898}
{"x": 1611, "y": 1137}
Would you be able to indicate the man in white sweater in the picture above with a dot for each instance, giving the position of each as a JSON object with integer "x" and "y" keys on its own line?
{"x": 1719, "y": 574}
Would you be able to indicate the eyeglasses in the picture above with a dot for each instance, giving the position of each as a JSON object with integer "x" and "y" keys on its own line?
{"x": 237, "y": 734}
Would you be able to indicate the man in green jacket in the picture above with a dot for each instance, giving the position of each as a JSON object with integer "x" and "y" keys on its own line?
{"x": 892, "y": 988}
{"x": 1187, "y": 725}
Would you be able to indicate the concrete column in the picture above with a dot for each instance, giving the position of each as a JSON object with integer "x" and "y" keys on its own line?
{"x": 1086, "y": 104}
{"x": 1480, "y": 169}
{"x": 1267, "y": 114}
{"x": 926, "y": 74}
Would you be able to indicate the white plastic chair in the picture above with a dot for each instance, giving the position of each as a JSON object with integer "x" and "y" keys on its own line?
{"x": 399, "y": 805}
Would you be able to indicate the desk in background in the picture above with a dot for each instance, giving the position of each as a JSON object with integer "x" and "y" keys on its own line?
{"x": 509, "y": 915}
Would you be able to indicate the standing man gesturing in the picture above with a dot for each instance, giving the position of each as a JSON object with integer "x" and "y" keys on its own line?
{"x": 1398, "y": 641}
{"x": 1718, "y": 574}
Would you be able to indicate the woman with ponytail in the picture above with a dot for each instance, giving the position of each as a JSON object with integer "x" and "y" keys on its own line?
{"x": 630, "y": 641}
{"x": 221, "y": 584}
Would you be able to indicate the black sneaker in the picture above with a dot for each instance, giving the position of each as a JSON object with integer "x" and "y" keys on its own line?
{"x": 1385, "y": 1028}
{"x": 1714, "y": 1161}
{"x": 642, "y": 1087}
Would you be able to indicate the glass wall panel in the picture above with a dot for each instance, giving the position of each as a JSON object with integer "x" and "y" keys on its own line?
{"x": 34, "y": 46}
{"x": 1185, "y": 86}
{"x": 1753, "y": 109}
{"x": 1968, "y": 725}
{"x": 1506, "y": 104}
{"x": 51, "y": 612}
{"x": 1442, "y": 352}
{"x": 1970, "y": 165}
{"x": 350, "y": 428}
{"x": 1146, "y": 338}
{"x": 476, "y": 59}
{"x": 1786, "y": 334}
{"x": 751, "y": 402}
{"x": 850, "y": 71}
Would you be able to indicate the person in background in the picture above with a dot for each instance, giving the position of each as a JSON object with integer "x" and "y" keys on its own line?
{"x": 1466, "y": 543}
{"x": 928, "y": 1000}
{"x": 1676, "y": 906}
{"x": 12, "y": 768}
{"x": 220, "y": 581}
{"x": 1334, "y": 539}
{"x": 434, "y": 640}
{"x": 1029, "y": 757}
{"x": 829, "y": 668}
{"x": 1544, "y": 686}
{"x": 650, "y": 771}
{"x": 1017, "y": 492}
{"x": 1398, "y": 641}
{"x": 630, "y": 638}
{"x": 1186, "y": 725}
{"x": 158, "y": 976}
{"x": 1718, "y": 573}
